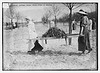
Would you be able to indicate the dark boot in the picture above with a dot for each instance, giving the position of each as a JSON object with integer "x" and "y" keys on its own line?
{"x": 89, "y": 50}
{"x": 83, "y": 52}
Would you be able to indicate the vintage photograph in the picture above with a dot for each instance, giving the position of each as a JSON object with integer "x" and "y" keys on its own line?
{"x": 47, "y": 36}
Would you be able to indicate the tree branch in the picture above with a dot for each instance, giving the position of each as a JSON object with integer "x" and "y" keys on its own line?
{"x": 77, "y": 6}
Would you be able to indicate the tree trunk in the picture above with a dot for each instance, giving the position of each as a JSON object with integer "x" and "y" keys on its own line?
{"x": 17, "y": 24}
{"x": 70, "y": 28}
{"x": 63, "y": 23}
{"x": 11, "y": 24}
{"x": 55, "y": 22}
{"x": 49, "y": 25}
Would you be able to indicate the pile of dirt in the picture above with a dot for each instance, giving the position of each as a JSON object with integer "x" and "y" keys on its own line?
{"x": 54, "y": 32}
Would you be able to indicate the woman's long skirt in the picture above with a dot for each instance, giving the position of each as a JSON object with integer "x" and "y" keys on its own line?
{"x": 84, "y": 41}
{"x": 81, "y": 43}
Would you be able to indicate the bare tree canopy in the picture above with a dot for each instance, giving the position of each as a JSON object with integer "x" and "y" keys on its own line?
{"x": 48, "y": 13}
{"x": 13, "y": 14}
{"x": 18, "y": 16}
{"x": 10, "y": 13}
{"x": 73, "y": 5}
{"x": 55, "y": 10}
{"x": 52, "y": 11}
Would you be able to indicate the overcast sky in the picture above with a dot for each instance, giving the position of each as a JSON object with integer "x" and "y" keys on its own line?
{"x": 36, "y": 11}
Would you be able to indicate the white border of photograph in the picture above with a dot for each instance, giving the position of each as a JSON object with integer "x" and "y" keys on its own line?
{"x": 47, "y": 1}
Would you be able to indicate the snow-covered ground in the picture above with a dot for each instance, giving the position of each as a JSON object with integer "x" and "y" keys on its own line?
{"x": 56, "y": 54}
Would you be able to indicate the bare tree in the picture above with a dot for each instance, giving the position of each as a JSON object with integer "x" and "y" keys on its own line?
{"x": 10, "y": 13}
{"x": 55, "y": 10}
{"x": 18, "y": 16}
{"x": 71, "y": 6}
{"x": 47, "y": 16}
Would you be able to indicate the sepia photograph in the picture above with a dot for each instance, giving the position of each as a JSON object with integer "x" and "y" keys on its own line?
{"x": 49, "y": 36}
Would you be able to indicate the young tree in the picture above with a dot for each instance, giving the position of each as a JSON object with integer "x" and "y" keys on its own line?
{"x": 47, "y": 15}
{"x": 10, "y": 13}
{"x": 55, "y": 10}
{"x": 18, "y": 16}
{"x": 71, "y": 6}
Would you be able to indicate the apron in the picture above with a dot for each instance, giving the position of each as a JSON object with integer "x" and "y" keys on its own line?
{"x": 32, "y": 34}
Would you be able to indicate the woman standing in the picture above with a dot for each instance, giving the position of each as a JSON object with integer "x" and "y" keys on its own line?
{"x": 83, "y": 39}
{"x": 32, "y": 33}
{"x": 34, "y": 45}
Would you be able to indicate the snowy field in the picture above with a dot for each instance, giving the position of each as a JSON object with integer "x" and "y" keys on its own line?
{"x": 56, "y": 54}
